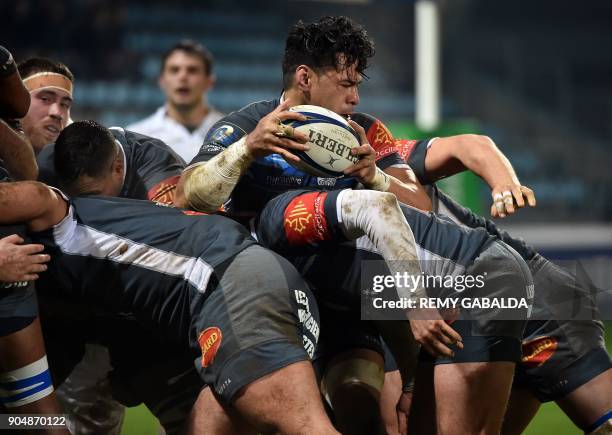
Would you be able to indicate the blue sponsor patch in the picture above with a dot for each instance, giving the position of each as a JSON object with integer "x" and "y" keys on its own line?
{"x": 225, "y": 135}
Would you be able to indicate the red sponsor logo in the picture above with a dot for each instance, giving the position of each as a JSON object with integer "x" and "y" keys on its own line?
{"x": 404, "y": 147}
{"x": 305, "y": 219}
{"x": 163, "y": 192}
{"x": 381, "y": 139}
{"x": 210, "y": 340}
{"x": 536, "y": 352}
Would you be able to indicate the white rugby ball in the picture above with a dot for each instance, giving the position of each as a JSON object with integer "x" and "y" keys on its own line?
{"x": 331, "y": 140}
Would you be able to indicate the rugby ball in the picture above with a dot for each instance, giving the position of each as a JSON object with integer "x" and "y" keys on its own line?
{"x": 331, "y": 140}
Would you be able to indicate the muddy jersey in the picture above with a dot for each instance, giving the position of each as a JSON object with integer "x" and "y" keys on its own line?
{"x": 135, "y": 256}
{"x": 152, "y": 168}
{"x": 271, "y": 175}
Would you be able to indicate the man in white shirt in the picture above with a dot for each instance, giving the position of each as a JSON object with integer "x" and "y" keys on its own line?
{"x": 185, "y": 77}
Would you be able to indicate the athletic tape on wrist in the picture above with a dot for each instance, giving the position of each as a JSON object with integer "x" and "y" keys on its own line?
{"x": 381, "y": 181}
{"x": 210, "y": 184}
{"x": 409, "y": 387}
{"x": 26, "y": 384}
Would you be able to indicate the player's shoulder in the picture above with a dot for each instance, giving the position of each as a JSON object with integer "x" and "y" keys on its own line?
{"x": 234, "y": 125}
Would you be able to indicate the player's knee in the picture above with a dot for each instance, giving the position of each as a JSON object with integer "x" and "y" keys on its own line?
{"x": 25, "y": 385}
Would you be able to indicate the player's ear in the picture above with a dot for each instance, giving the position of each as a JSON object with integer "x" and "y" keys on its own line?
{"x": 303, "y": 77}
{"x": 118, "y": 164}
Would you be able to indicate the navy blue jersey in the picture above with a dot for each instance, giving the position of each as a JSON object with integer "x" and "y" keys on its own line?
{"x": 310, "y": 221}
{"x": 464, "y": 216}
{"x": 152, "y": 168}
{"x": 135, "y": 256}
{"x": 271, "y": 175}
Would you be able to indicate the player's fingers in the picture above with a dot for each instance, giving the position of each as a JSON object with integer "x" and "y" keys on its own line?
{"x": 32, "y": 249}
{"x": 13, "y": 238}
{"x": 448, "y": 330}
{"x": 518, "y": 196}
{"x": 39, "y": 258}
{"x": 28, "y": 277}
{"x": 291, "y": 144}
{"x": 36, "y": 268}
{"x": 493, "y": 211}
{"x": 528, "y": 193}
{"x": 288, "y": 114}
{"x": 508, "y": 200}
{"x": 499, "y": 207}
{"x": 286, "y": 154}
{"x": 364, "y": 151}
{"x": 440, "y": 349}
{"x": 363, "y": 138}
{"x": 356, "y": 167}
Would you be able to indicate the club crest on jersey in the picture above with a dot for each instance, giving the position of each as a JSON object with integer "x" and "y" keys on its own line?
{"x": 298, "y": 217}
{"x": 305, "y": 219}
{"x": 209, "y": 340}
{"x": 163, "y": 192}
{"x": 536, "y": 352}
{"x": 381, "y": 140}
{"x": 225, "y": 134}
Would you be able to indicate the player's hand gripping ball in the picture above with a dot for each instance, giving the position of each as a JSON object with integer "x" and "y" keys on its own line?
{"x": 331, "y": 140}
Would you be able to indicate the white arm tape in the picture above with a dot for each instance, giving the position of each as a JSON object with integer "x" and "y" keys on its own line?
{"x": 381, "y": 181}
{"x": 26, "y": 384}
{"x": 209, "y": 184}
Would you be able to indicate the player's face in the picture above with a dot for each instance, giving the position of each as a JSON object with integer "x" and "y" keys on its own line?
{"x": 184, "y": 80}
{"x": 48, "y": 114}
{"x": 336, "y": 90}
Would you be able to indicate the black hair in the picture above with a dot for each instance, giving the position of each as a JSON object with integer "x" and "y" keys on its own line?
{"x": 318, "y": 45}
{"x": 83, "y": 148}
{"x": 36, "y": 65}
{"x": 193, "y": 48}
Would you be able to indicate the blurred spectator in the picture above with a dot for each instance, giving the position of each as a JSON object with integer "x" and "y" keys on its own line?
{"x": 182, "y": 123}
{"x": 50, "y": 85}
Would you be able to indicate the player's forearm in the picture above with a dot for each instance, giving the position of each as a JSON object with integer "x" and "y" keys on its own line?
{"x": 407, "y": 189}
{"x": 32, "y": 203}
{"x": 208, "y": 185}
{"x": 476, "y": 153}
{"x": 17, "y": 153}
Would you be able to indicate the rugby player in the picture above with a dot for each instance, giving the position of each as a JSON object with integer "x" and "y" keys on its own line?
{"x": 563, "y": 360}
{"x": 25, "y": 386}
{"x": 244, "y": 312}
{"x": 186, "y": 76}
{"x": 323, "y": 65}
{"x": 50, "y": 85}
{"x": 90, "y": 159}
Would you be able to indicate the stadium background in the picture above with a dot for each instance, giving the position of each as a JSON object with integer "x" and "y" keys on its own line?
{"x": 535, "y": 76}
